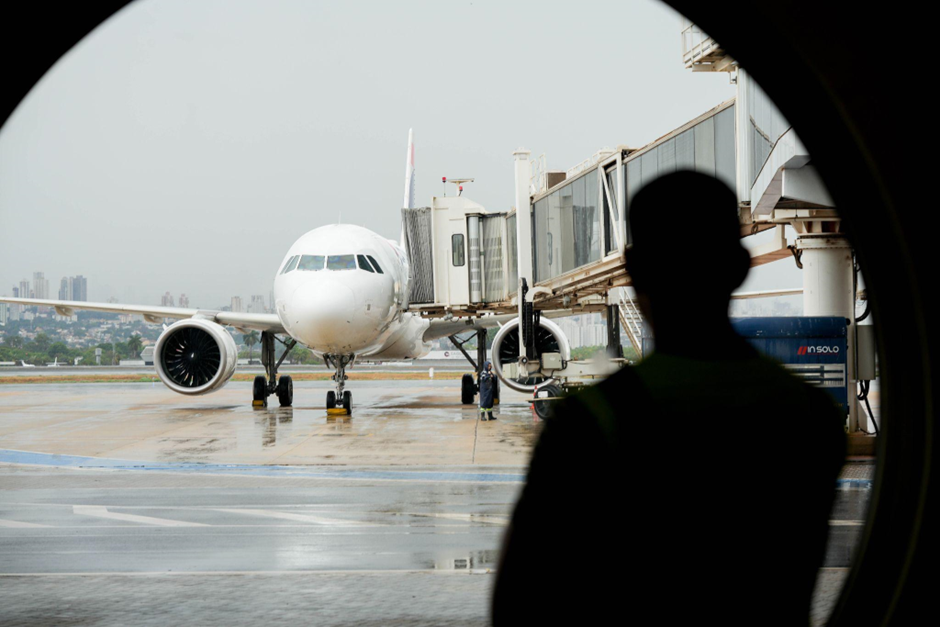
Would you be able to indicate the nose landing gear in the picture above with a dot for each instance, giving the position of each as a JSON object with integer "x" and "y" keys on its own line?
{"x": 339, "y": 401}
{"x": 263, "y": 387}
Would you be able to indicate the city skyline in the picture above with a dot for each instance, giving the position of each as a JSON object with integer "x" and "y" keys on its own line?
{"x": 75, "y": 288}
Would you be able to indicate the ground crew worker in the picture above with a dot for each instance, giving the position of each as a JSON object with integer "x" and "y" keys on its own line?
{"x": 487, "y": 391}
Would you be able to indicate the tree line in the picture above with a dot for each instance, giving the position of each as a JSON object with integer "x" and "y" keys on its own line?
{"x": 43, "y": 350}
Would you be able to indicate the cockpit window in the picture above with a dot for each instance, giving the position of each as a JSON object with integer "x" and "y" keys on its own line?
{"x": 375, "y": 264}
{"x": 341, "y": 262}
{"x": 364, "y": 264}
{"x": 311, "y": 262}
{"x": 291, "y": 264}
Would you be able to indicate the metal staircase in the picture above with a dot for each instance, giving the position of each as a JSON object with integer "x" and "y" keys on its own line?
{"x": 631, "y": 320}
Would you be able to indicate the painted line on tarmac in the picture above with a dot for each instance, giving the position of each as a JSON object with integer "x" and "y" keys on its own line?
{"x": 15, "y": 524}
{"x": 480, "y": 518}
{"x": 100, "y": 511}
{"x": 308, "y": 518}
{"x": 11, "y": 456}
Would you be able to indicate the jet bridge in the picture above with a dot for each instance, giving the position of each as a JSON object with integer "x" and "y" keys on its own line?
{"x": 565, "y": 237}
{"x": 463, "y": 258}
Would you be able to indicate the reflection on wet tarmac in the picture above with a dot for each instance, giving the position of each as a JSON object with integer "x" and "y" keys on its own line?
{"x": 403, "y": 422}
{"x": 473, "y": 560}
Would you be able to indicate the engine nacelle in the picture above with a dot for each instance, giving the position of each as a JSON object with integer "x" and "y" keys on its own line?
{"x": 195, "y": 356}
{"x": 521, "y": 374}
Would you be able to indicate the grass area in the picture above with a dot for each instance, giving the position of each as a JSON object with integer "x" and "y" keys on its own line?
{"x": 300, "y": 376}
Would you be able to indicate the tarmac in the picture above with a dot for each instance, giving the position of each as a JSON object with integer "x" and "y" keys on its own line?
{"x": 129, "y": 504}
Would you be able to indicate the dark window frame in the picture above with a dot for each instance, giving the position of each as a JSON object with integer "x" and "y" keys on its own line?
{"x": 364, "y": 264}
{"x": 375, "y": 264}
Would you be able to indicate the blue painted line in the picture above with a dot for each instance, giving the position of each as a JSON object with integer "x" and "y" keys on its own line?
{"x": 75, "y": 461}
{"x": 9, "y": 456}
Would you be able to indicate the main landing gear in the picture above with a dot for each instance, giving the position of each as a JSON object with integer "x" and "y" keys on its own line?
{"x": 339, "y": 398}
{"x": 265, "y": 386}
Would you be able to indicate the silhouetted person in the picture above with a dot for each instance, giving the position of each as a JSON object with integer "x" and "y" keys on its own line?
{"x": 694, "y": 488}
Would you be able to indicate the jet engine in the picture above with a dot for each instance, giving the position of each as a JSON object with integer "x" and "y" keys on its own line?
{"x": 526, "y": 372}
{"x": 195, "y": 356}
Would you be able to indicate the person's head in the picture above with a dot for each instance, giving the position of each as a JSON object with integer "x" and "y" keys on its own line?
{"x": 488, "y": 366}
{"x": 686, "y": 256}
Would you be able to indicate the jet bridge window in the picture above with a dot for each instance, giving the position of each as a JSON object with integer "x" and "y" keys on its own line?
{"x": 311, "y": 262}
{"x": 291, "y": 264}
{"x": 364, "y": 263}
{"x": 341, "y": 262}
{"x": 375, "y": 264}
{"x": 456, "y": 243}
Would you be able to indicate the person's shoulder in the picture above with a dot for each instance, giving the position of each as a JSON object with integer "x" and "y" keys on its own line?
{"x": 599, "y": 407}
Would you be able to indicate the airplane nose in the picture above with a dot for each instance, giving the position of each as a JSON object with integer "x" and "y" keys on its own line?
{"x": 323, "y": 315}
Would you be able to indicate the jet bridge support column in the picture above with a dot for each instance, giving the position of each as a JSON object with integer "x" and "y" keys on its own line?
{"x": 613, "y": 331}
{"x": 523, "y": 231}
{"x": 829, "y": 290}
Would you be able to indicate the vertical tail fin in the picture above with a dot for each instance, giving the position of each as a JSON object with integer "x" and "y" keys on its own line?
{"x": 409, "y": 200}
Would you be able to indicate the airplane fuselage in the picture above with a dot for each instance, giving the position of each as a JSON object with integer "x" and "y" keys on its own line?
{"x": 343, "y": 290}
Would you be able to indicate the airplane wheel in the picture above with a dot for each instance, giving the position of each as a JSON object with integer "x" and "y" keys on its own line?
{"x": 330, "y": 399}
{"x": 467, "y": 389}
{"x": 545, "y": 409}
{"x": 259, "y": 391}
{"x": 347, "y": 402}
{"x": 285, "y": 391}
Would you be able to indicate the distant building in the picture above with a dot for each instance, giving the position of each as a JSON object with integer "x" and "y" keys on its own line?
{"x": 4, "y": 313}
{"x": 257, "y": 304}
{"x": 25, "y": 289}
{"x": 16, "y": 292}
{"x": 40, "y": 285}
{"x": 167, "y": 300}
{"x": 237, "y": 304}
{"x": 65, "y": 289}
{"x": 184, "y": 300}
{"x": 78, "y": 285}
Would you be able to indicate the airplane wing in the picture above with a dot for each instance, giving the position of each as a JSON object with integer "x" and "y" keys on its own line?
{"x": 445, "y": 328}
{"x": 155, "y": 314}
{"x": 440, "y": 327}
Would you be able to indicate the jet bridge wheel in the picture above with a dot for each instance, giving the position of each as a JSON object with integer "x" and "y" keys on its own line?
{"x": 331, "y": 399}
{"x": 467, "y": 389}
{"x": 259, "y": 390}
{"x": 347, "y": 401}
{"x": 285, "y": 391}
{"x": 545, "y": 409}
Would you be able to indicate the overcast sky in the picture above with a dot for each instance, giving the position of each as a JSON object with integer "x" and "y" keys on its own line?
{"x": 184, "y": 146}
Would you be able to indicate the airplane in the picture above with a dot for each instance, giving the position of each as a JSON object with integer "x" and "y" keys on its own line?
{"x": 54, "y": 364}
{"x": 26, "y": 365}
{"x": 340, "y": 290}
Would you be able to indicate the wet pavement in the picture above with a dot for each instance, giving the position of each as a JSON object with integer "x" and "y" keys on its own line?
{"x": 419, "y": 365}
{"x": 393, "y": 423}
{"x": 128, "y": 504}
